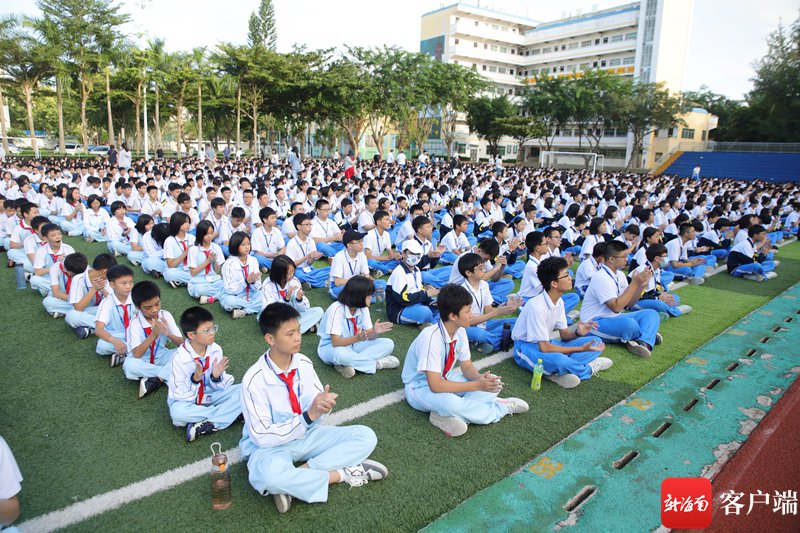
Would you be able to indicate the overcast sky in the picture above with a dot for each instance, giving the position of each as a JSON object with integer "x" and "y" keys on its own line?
{"x": 727, "y": 35}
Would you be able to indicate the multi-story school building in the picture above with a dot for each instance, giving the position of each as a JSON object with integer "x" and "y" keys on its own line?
{"x": 646, "y": 40}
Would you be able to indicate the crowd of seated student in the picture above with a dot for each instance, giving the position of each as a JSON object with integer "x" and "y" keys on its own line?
{"x": 451, "y": 240}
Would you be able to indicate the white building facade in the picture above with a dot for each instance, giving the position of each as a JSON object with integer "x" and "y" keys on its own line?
{"x": 646, "y": 40}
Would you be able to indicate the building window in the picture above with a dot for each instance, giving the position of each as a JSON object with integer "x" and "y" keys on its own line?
{"x": 455, "y": 62}
{"x": 484, "y": 67}
{"x": 503, "y": 50}
{"x": 513, "y": 51}
{"x": 495, "y": 27}
{"x": 475, "y": 45}
{"x": 555, "y": 69}
{"x": 597, "y": 41}
{"x": 584, "y": 66}
{"x": 605, "y": 40}
{"x": 485, "y": 46}
{"x": 477, "y": 23}
{"x": 493, "y": 48}
{"x": 501, "y": 70}
{"x": 492, "y": 68}
{"x": 616, "y": 38}
{"x": 594, "y": 64}
{"x": 571, "y": 68}
{"x": 630, "y": 36}
{"x": 629, "y": 61}
{"x": 563, "y": 46}
{"x": 614, "y": 62}
{"x": 461, "y": 148}
{"x": 703, "y": 135}
{"x": 603, "y": 63}
{"x": 511, "y": 91}
{"x": 584, "y": 44}
{"x": 456, "y": 41}
{"x": 535, "y": 52}
{"x": 546, "y": 50}
{"x": 474, "y": 66}
{"x": 561, "y": 68}
{"x": 573, "y": 46}
{"x": 687, "y": 133}
{"x": 511, "y": 71}
{"x": 527, "y": 52}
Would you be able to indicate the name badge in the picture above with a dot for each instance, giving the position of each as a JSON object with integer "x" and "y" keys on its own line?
{"x": 308, "y": 269}
{"x": 207, "y": 399}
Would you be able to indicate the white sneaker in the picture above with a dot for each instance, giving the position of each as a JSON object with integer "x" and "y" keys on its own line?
{"x": 568, "y": 381}
{"x": 387, "y": 362}
{"x": 514, "y": 405}
{"x": 638, "y": 349}
{"x": 695, "y": 280}
{"x": 659, "y": 338}
{"x": 238, "y": 313}
{"x": 347, "y": 372}
{"x": 777, "y": 263}
{"x": 771, "y": 275}
{"x": 754, "y": 277}
{"x": 600, "y": 364}
{"x": 117, "y": 359}
{"x": 574, "y": 314}
{"x": 207, "y": 300}
{"x": 173, "y": 284}
{"x": 282, "y": 501}
{"x": 57, "y": 315}
{"x": 452, "y": 426}
{"x": 359, "y": 475}
{"x": 685, "y": 309}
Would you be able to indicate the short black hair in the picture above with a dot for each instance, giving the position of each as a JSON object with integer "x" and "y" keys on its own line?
{"x": 75, "y": 263}
{"x": 143, "y": 292}
{"x": 103, "y": 261}
{"x": 48, "y": 227}
{"x": 452, "y": 299}
{"x": 379, "y": 215}
{"x": 498, "y": 227}
{"x": 549, "y": 269}
{"x": 468, "y": 262}
{"x": 193, "y": 317}
{"x": 549, "y": 230}
{"x": 533, "y": 239}
{"x": 237, "y": 212}
{"x": 755, "y": 229}
{"x": 458, "y": 220}
{"x": 203, "y": 228}
{"x": 594, "y": 225}
{"x": 265, "y": 212}
{"x": 599, "y": 249}
{"x": 119, "y": 271}
{"x": 274, "y": 315}
{"x": 613, "y": 248}
{"x": 490, "y": 247}
{"x": 654, "y": 250}
{"x": 39, "y": 221}
{"x": 117, "y": 205}
{"x": 633, "y": 229}
{"x": 685, "y": 228}
{"x": 280, "y": 269}
{"x": 142, "y": 222}
{"x": 355, "y": 291}
{"x": 176, "y": 220}
{"x": 418, "y": 222}
{"x": 299, "y": 218}
{"x": 236, "y": 241}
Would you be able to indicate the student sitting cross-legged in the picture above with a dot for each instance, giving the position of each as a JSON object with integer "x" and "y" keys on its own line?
{"x": 408, "y": 301}
{"x": 284, "y": 407}
{"x": 349, "y": 262}
{"x": 349, "y": 341}
{"x": 149, "y": 358}
{"x": 284, "y": 287}
{"x": 303, "y": 251}
{"x": 572, "y": 358}
{"x": 114, "y": 315}
{"x": 241, "y": 278}
{"x": 86, "y": 291}
{"x": 655, "y": 295}
{"x": 486, "y": 331}
{"x": 453, "y": 399}
{"x": 47, "y": 255}
{"x": 609, "y": 294}
{"x": 61, "y": 275}
{"x": 205, "y": 265}
{"x": 202, "y": 395}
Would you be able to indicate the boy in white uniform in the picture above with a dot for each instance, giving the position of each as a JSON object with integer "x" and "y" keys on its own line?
{"x": 431, "y": 383}
{"x": 378, "y": 246}
{"x": 350, "y": 262}
{"x": 149, "y": 358}
{"x": 10, "y": 479}
{"x": 114, "y": 315}
{"x": 48, "y": 255}
{"x": 86, "y": 292}
{"x": 284, "y": 407}
{"x": 202, "y": 395}
{"x": 61, "y": 275}
{"x": 572, "y": 358}
{"x": 303, "y": 251}
{"x": 267, "y": 241}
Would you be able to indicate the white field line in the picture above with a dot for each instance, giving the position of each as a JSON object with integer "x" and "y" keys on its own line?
{"x": 115, "y": 499}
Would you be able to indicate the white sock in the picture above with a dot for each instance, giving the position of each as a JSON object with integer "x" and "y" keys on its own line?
{"x": 343, "y": 477}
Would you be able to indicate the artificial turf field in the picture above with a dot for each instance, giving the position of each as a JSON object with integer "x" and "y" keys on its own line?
{"x": 77, "y": 429}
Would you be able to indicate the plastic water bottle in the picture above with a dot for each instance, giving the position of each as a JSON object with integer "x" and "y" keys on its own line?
{"x": 220, "y": 479}
{"x": 538, "y": 370}
{"x": 380, "y": 295}
{"x": 505, "y": 338}
{"x": 20, "y": 273}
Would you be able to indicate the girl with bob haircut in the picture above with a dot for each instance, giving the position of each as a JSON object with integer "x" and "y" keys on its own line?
{"x": 241, "y": 279}
{"x": 348, "y": 339}
{"x": 176, "y": 251}
{"x": 283, "y": 287}
{"x": 205, "y": 265}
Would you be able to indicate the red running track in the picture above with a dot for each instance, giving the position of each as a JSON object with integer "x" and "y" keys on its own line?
{"x": 768, "y": 461}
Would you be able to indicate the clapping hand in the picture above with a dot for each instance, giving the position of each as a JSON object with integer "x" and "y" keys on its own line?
{"x": 584, "y": 328}
{"x": 219, "y": 367}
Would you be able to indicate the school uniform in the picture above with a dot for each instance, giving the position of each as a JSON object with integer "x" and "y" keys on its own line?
{"x": 58, "y": 276}
{"x": 583, "y": 275}
{"x": 537, "y": 320}
{"x": 720, "y": 247}
{"x": 237, "y": 292}
{"x": 19, "y": 234}
{"x": 451, "y": 242}
{"x": 153, "y": 255}
{"x": 431, "y": 275}
{"x": 377, "y": 244}
{"x": 155, "y": 361}
{"x": 80, "y": 285}
{"x": 362, "y": 355}
{"x": 45, "y": 257}
{"x": 678, "y": 251}
{"x": 277, "y": 433}
{"x": 570, "y": 241}
{"x": 345, "y": 267}
{"x": 118, "y": 240}
{"x": 531, "y": 286}
{"x": 655, "y": 287}
{"x": 306, "y": 272}
{"x": 322, "y": 229}
{"x": 483, "y": 224}
{"x": 500, "y": 289}
{"x": 407, "y": 302}
{"x": 268, "y": 242}
{"x": 152, "y": 208}
{"x": 206, "y": 282}
{"x": 173, "y": 248}
{"x": 744, "y": 259}
{"x": 272, "y": 292}
{"x": 95, "y": 223}
{"x": 216, "y": 401}
{"x": 434, "y": 350}
{"x": 73, "y": 227}
{"x": 490, "y": 331}
{"x": 116, "y": 317}
{"x": 588, "y": 245}
{"x": 616, "y": 327}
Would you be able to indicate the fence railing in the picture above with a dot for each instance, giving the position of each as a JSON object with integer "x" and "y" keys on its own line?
{"x": 781, "y": 148}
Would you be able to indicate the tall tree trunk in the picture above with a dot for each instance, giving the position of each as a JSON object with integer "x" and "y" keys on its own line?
{"x": 199, "y": 118}
{"x": 158, "y": 121}
{"x": 138, "y": 134}
{"x": 238, "y": 116}
{"x": 84, "y": 122}
{"x": 108, "y": 106}
{"x": 28, "y": 90}
{"x": 254, "y": 104}
{"x": 3, "y": 129}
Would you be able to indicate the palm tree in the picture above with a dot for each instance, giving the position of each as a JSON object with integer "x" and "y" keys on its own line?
{"x": 199, "y": 66}
{"x": 7, "y": 24}
{"x": 51, "y": 36}
{"x": 232, "y": 61}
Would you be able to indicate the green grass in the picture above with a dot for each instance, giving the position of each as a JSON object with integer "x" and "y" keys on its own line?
{"x": 77, "y": 430}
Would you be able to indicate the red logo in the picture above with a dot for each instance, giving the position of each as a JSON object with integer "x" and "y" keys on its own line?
{"x": 686, "y": 502}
